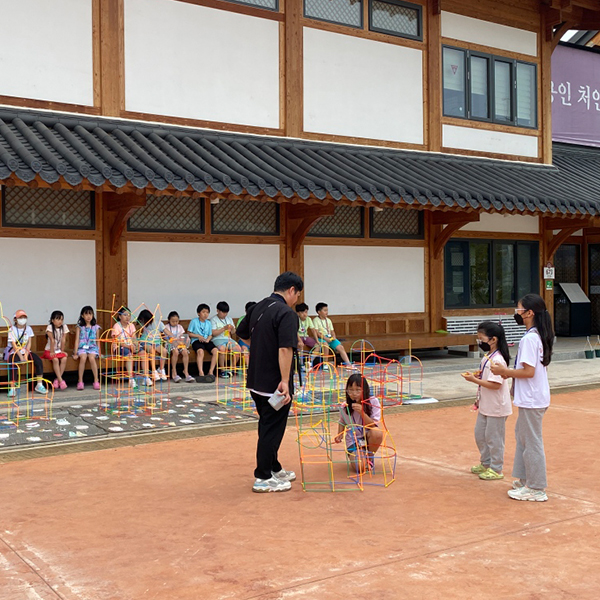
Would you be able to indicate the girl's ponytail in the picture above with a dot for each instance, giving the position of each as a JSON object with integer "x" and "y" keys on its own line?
{"x": 542, "y": 322}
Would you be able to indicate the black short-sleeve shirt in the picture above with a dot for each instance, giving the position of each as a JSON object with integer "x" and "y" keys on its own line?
{"x": 269, "y": 325}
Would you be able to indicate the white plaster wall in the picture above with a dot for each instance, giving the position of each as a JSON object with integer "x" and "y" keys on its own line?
{"x": 46, "y": 50}
{"x": 485, "y": 140}
{"x": 192, "y": 273}
{"x": 51, "y": 275}
{"x": 504, "y": 224}
{"x": 476, "y": 31}
{"x": 365, "y": 279}
{"x": 196, "y": 62}
{"x": 362, "y": 88}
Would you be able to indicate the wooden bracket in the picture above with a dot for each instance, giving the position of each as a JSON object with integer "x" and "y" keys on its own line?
{"x": 558, "y": 239}
{"x": 306, "y": 217}
{"x": 124, "y": 205}
{"x": 453, "y": 221}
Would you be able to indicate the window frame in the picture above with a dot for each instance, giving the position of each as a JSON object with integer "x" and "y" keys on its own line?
{"x": 92, "y": 226}
{"x": 400, "y": 236}
{"x": 277, "y": 233}
{"x": 362, "y": 18}
{"x": 174, "y": 231}
{"x": 417, "y": 7}
{"x": 492, "y": 58}
{"x": 249, "y": 3}
{"x": 492, "y": 243}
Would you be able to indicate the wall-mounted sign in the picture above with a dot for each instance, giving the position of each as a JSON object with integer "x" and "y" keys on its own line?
{"x": 549, "y": 284}
{"x": 548, "y": 272}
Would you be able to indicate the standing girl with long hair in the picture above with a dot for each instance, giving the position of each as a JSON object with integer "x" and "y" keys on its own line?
{"x": 493, "y": 401}
{"x": 531, "y": 396}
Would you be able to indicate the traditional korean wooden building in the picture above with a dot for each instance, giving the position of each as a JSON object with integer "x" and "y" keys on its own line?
{"x": 396, "y": 154}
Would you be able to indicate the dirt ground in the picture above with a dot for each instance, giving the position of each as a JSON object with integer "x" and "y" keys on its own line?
{"x": 177, "y": 520}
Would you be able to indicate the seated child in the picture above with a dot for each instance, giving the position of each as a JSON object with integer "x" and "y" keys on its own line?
{"x": 124, "y": 341}
{"x": 222, "y": 330}
{"x": 56, "y": 333}
{"x": 19, "y": 350}
{"x": 306, "y": 332}
{"x": 359, "y": 419}
{"x": 150, "y": 346}
{"x": 245, "y": 348}
{"x": 177, "y": 344}
{"x": 325, "y": 333}
{"x": 200, "y": 331}
{"x": 86, "y": 345}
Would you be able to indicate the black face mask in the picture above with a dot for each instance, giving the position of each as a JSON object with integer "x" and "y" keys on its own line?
{"x": 484, "y": 346}
{"x": 519, "y": 319}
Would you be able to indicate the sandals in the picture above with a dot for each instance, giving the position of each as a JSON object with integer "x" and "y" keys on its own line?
{"x": 476, "y": 470}
{"x": 490, "y": 475}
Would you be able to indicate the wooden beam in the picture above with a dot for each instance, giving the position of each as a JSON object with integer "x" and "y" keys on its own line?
{"x": 300, "y": 211}
{"x": 294, "y": 69}
{"x": 436, "y": 7}
{"x": 112, "y": 58}
{"x": 124, "y": 205}
{"x": 433, "y": 82}
{"x": 553, "y": 223}
{"x": 558, "y": 33}
{"x": 444, "y": 218}
{"x": 558, "y": 239}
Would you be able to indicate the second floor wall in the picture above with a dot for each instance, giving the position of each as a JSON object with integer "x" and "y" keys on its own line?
{"x": 465, "y": 77}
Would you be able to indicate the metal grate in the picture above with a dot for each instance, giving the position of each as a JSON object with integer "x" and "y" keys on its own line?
{"x": 270, "y": 4}
{"x": 241, "y": 217}
{"x": 396, "y": 223}
{"x": 169, "y": 213}
{"x": 346, "y": 222}
{"x": 345, "y": 12}
{"x": 60, "y": 209}
{"x": 567, "y": 263}
{"x": 396, "y": 18}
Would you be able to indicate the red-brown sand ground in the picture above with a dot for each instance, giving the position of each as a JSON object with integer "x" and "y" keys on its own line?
{"x": 178, "y": 520}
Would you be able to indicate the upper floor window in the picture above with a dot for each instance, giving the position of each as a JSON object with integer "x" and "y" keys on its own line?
{"x": 269, "y": 4}
{"x": 393, "y": 17}
{"x": 489, "y": 88}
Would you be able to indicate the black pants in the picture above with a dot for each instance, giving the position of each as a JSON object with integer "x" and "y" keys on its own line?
{"x": 37, "y": 366}
{"x": 271, "y": 427}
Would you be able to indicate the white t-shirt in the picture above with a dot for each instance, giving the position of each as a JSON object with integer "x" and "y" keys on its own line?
{"x": 58, "y": 337}
{"x": 494, "y": 403}
{"x": 532, "y": 392}
{"x": 19, "y": 335}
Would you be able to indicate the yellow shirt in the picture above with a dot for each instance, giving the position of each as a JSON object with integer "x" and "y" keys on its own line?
{"x": 304, "y": 326}
{"x": 324, "y": 327}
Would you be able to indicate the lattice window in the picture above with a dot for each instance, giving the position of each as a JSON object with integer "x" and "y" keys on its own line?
{"x": 396, "y": 223}
{"x": 269, "y": 4}
{"x": 346, "y": 222}
{"x": 567, "y": 263}
{"x": 240, "y": 217}
{"x": 345, "y": 12}
{"x": 169, "y": 213}
{"x": 60, "y": 209}
{"x": 396, "y": 18}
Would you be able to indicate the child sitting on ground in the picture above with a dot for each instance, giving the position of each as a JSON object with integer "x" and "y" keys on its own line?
{"x": 359, "y": 419}
{"x": 177, "y": 344}
{"x": 150, "y": 345}
{"x": 86, "y": 345}
{"x": 306, "y": 332}
{"x": 19, "y": 350}
{"x": 124, "y": 342}
{"x": 325, "y": 332}
{"x": 200, "y": 330}
{"x": 222, "y": 330}
{"x": 56, "y": 332}
{"x": 493, "y": 401}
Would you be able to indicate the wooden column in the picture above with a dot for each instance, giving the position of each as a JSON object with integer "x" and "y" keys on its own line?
{"x": 297, "y": 219}
{"x": 434, "y": 76}
{"x": 111, "y": 251}
{"x": 294, "y": 69}
{"x": 109, "y": 53}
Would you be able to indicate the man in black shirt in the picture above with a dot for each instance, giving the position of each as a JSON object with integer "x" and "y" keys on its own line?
{"x": 271, "y": 329}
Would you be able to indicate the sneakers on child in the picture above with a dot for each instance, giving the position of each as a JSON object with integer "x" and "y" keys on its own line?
{"x": 190, "y": 379}
{"x": 12, "y": 392}
{"x": 40, "y": 388}
{"x": 525, "y": 493}
{"x": 273, "y": 484}
{"x": 63, "y": 385}
{"x": 156, "y": 375}
{"x": 55, "y": 384}
{"x": 490, "y": 475}
{"x": 96, "y": 385}
{"x": 225, "y": 375}
{"x": 478, "y": 469}
{"x": 80, "y": 385}
{"x": 176, "y": 379}
{"x": 163, "y": 375}
{"x": 133, "y": 384}
{"x": 284, "y": 475}
{"x": 148, "y": 382}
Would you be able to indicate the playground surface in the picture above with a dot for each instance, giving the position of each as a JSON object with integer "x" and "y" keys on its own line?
{"x": 177, "y": 520}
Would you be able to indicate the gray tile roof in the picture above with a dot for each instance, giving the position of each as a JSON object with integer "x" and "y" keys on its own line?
{"x": 100, "y": 151}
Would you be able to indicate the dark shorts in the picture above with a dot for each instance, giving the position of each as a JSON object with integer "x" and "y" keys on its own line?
{"x": 206, "y": 346}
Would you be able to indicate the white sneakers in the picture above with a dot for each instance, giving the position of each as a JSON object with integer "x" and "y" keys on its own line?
{"x": 279, "y": 482}
{"x": 525, "y": 493}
